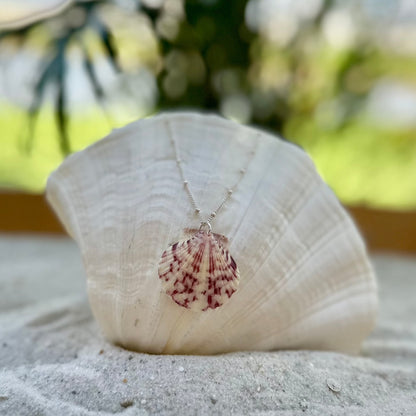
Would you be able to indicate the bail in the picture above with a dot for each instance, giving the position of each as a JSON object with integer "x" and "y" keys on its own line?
{"x": 205, "y": 226}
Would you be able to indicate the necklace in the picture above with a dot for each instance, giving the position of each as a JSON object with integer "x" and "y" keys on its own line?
{"x": 199, "y": 273}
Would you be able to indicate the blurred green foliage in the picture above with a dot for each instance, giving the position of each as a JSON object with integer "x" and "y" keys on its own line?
{"x": 205, "y": 55}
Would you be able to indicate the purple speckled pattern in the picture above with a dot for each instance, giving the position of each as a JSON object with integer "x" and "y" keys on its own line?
{"x": 199, "y": 273}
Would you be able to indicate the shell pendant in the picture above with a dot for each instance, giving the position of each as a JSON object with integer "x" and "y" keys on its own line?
{"x": 199, "y": 273}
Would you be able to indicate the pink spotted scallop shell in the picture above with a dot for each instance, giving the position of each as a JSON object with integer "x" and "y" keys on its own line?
{"x": 199, "y": 273}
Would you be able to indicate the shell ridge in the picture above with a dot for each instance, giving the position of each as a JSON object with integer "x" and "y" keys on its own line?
{"x": 248, "y": 311}
{"x": 316, "y": 308}
{"x": 302, "y": 341}
{"x": 287, "y": 220}
{"x": 289, "y": 273}
{"x": 72, "y": 227}
{"x": 252, "y": 197}
{"x": 300, "y": 260}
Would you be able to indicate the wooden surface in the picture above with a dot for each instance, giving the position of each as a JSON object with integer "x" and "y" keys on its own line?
{"x": 382, "y": 230}
{"x": 386, "y": 230}
{"x": 27, "y": 212}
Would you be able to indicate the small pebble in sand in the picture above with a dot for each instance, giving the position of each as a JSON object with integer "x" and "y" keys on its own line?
{"x": 126, "y": 404}
{"x": 181, "y": 369}
{"x": 333, "y": 385}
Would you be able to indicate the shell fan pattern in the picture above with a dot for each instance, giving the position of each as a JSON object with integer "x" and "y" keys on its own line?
{"x": 303, "y": 280}
{"x": 199, "y": 273}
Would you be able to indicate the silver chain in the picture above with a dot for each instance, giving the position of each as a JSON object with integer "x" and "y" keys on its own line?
{"x": 197, "y": 210}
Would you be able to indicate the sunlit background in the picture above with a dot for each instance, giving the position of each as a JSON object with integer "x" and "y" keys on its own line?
{"x": 336, "y": 77}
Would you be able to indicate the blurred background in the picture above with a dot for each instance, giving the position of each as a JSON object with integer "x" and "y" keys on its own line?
{"x": 337, "y": 78}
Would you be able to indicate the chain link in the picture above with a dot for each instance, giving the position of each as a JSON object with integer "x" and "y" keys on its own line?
{"x": 230, "y": 191}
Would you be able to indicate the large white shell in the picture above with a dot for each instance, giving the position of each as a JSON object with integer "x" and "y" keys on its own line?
{"x": 305, "y": 279}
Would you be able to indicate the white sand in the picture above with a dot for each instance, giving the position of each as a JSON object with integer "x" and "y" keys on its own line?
{"x": 53, "y": 360}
